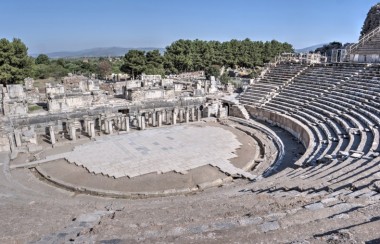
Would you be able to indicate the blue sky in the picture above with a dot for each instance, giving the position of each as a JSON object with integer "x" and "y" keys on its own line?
{"x": 68, "y": 25}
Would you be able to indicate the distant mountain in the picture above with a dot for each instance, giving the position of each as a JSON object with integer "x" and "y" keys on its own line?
{"x": 97, "y": 52}
{"x": 308, "y": 49}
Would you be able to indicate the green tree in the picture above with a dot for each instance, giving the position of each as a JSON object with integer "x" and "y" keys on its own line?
{"x": 154, "y": 63}
{"x": 41, "y": 71}
{"x": 192, "y": 55}
{"x": 212, "y": 70}
{"x": 134, "y": 63}
{"x": 225, "y": 79}
{"x": 372, "y": 20}
{"x": 154, "y": 57}
{"x": 327, "y": 49}
{"x": 104, "y": 68}
{"x": 42, "y": 59}
{"x": 15, "y": 65}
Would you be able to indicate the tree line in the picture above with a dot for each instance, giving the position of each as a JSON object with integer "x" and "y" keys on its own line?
{"x": 180, "y": 56}
{"x": 43, "y": 67}
{"x": 193, "y": 55}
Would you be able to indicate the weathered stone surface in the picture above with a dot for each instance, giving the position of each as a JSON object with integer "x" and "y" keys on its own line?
{"x": 269, "y": 226}
{"x": 315, "y": 206}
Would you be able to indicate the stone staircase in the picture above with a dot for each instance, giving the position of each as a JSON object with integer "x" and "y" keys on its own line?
{"x": 366, "y": 49}
{"x": 239, "y": 111}
{"x": 363, "y": 41}
{"x": 271, "y": 218}
{"x": 273, "y": 80}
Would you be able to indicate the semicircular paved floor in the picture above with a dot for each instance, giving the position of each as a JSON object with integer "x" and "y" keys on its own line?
{"x": 178, "y": 148}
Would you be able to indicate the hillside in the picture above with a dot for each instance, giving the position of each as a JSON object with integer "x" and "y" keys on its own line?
{"x": 96, "y": 52}
{"x": 372, "y": 20}
{"x": 308, "y": 49}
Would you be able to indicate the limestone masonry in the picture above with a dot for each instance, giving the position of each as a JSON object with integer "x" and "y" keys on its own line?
{"x": 291, "y": 156}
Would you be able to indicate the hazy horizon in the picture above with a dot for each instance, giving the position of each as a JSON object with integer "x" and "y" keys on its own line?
{"x": 56, "y": 26}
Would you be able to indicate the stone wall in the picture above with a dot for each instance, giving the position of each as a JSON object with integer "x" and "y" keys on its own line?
{"x": 133, "y": 84}
{"x": 167, "y": 82}
{"x": 66, "y": 103}
{"x": 29, "y": 82}
{"x": 14, "y": 100}
{"x": 150, "y": 94}
{"x": 75, "y": 82}
{"x": 150, "y": 77}
{"x": 362, "y": 58}
{"x": 16, "y": 92}
{"x": 118, "y": 87}
{"x": 34, "y": 97}
{"x": 54, "y": 90}
{"x": 15, "y": 108}
{"x": 298, "y": 130}
{"x": 237, "y": 111}
{"x": 4, "y": 144}
{"x": 169, "y": 94}
{"x": 178, "y": 87}
{"x": 189, "y": 75}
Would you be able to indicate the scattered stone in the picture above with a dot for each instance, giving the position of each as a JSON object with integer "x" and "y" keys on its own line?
{"x": 356, "y": 155}
{"x": 329, "y": 200}
{"x": 274, "y": 216}
{"x": 79, "y": 226}
{"x": 300, "y": 242}
{"x": 315, "y": 206}
{"x": 177, "y": 231}
{"x": 115, "y": 207}
{"x": 269, "y": 226}
{"x": 342, "y": 236}
{"x": 341, "y": 216}
{"x": 293, "y": 211}
{"x": 376, "y": 186}
{"x": 250, "y": 221}
{"x": 345, "y": 206}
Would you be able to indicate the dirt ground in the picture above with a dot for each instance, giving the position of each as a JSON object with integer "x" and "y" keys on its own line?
{"x": 79, "y": 176}
{"x": 33, "y": 211}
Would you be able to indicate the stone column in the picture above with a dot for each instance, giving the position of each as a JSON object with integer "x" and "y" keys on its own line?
{"x": 89, "y": 124}
{"x": 116, "y": 123}
{"x": 89, "y": 133}
{"x": 149, "y": 120}
{"x": 164, "y": 116}
{"x": 127, "y": 124}
{"x": 187, "y": 116}
{"x": 110, "y": 128}
{"x": 99, "y": 124}
{"x": 174, "y": 117}
{"x": 11, "y": 139}
{"x": 92, "y": 129}
{"x": 139, "y": 118}
{"x": 18, "y": 138}
{"x": 192, "y": 114}
{"x": 119, "y": 121}
{"x": 52, "y": 135}
{"x": 102, "y": 122}
{"x": 159, "y": 117}
{"x": 73, "y": 133}
{"x": 142, "y": 122}
{"x": 199, "y": 114}
{"x": 122, "y": 123}
{"x": 181, "y": 115}
{"x": 85, "y": 125}
{"x": 154, "y": 119}
{"x": 167, "y": 120}
{"x": 106, "y": 126}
